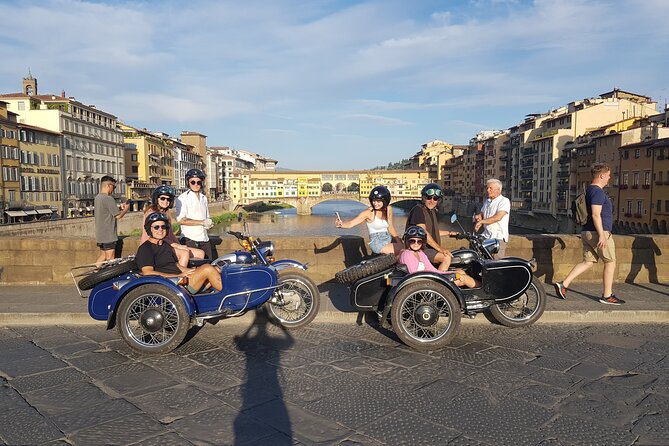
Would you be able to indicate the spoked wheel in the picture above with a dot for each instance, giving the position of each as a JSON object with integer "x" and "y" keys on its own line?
{"x": 295, "y": 301}
{"x": 525, "y": 310}
{"x": 425, "y": 315}
{"x": 152, "y": 319}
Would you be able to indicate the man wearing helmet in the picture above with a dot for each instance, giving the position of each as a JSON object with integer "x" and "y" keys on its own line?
{"x": 379, "y": 219}
{"x": 155, "y": 257}
{"x": 424, "y": 215}
{"x": 193, "y": 213}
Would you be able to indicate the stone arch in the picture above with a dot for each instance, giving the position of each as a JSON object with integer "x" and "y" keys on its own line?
{"x": 655, "y": 226}
{"x": 646, "y": 229}
{"x": 327, "y": 187}
{"x": 663, "y": 227}
{"x": 340, "y": 187}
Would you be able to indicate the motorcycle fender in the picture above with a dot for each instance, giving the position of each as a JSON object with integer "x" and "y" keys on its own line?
{"x": 440, "y": 278}
{"x": 131, "y": 285}
{"x": 287, "y": 263}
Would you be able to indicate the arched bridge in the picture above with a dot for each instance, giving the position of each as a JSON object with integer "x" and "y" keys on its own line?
{"x": 304, "y": 190}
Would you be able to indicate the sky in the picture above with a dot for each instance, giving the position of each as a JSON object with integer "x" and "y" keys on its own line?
{"x": 333, "y": 84}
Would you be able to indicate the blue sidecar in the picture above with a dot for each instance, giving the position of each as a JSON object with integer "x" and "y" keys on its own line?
{"x": 153, "y": 313}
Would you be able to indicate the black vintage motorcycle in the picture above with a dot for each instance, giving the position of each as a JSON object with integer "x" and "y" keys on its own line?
{"x": 424, "y": 308}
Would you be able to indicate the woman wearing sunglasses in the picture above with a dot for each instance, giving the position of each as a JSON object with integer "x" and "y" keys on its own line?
{"x": 162, "y": 200}
{"x": 416, "y": 260}
{"x": 424, "y": 215}
{"x": 379, "y": 219}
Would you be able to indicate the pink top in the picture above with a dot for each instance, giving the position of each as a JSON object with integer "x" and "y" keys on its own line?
{"x": 169, "y": 238}
{"x": 413, "y": 264}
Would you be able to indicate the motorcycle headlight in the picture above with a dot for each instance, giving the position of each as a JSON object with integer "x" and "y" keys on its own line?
{"x": 267, "y": 250}
{"x": 491, "y": 245}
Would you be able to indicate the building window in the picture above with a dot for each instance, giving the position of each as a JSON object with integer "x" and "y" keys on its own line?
{"x": 635, "y": 179}
{"x": 646, "y": 178}
{"x": 625, "y": 178}
{"x": 637, "y": 153}
{"x": 639, "y": 207}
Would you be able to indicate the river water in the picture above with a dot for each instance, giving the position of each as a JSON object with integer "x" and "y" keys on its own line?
{"x": 320, "y": 222}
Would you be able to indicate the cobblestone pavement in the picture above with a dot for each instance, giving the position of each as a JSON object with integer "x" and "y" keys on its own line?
{"x": 338, "y": 384}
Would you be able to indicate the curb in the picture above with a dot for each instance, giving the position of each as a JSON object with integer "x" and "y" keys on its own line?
{"x": 549, "y": 317}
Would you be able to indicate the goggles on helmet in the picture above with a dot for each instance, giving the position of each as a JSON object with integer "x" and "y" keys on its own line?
{"x": 433, "y": 193}
{"x": 415, "y": 231}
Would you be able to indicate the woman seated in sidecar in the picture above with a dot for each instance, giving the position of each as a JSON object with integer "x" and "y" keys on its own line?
{"x": 156, "y": 257}
{"x": 415, "y": 259}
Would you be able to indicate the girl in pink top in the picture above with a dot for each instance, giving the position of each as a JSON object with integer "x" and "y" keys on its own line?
{"x": 163, "y": 199}
{"x": 416, "y": 260}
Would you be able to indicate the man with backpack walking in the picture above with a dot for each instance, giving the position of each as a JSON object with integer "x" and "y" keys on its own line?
{"x": 596, "y": 237}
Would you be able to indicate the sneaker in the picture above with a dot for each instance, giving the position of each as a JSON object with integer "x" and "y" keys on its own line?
{"x": 611, "y": 300}
{"x": 560, "y": 290}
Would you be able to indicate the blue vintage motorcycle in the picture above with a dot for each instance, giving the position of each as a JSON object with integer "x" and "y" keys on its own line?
{"x": 153, "y": 313}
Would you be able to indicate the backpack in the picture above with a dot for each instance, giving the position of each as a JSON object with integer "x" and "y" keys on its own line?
{"x": 579, "y": 210}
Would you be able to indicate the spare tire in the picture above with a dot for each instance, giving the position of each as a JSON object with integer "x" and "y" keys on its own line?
{"x": 106, "y": 273}
{"x": 365, "y": 268}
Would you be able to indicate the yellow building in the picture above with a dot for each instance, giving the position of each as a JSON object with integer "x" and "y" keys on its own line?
{"x": 41, "y": 179}
{"x": 149, "y": 162}
{"x": 10, "y": 198}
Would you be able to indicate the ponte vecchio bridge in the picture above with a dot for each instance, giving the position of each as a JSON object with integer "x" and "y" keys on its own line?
{"x": 304, "y": 190}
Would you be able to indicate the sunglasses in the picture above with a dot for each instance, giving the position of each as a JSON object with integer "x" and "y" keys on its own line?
{"x": 165, "y": 198}
{"x": 159, "y": 227}
{"x": 433, "y": 198}
{"x": 415, "y": 241}
{"x": 194, "y": 182}
{"x": 431, "y": 192}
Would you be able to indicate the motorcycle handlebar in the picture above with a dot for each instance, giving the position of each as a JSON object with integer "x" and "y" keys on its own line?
{"x": 239, "y": 235}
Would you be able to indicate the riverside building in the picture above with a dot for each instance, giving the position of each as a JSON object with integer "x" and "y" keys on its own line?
{"x": 10, "y": 203}
{"x": 91, "y": 144}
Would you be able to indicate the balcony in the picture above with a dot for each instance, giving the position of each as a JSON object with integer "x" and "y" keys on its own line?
{"x": 628, "y": 214}
{"x": 623, "y": 186}
{"x": 635, "y": 186}
{"x": 637, "y": 215}
{"x": 646, "y": 186}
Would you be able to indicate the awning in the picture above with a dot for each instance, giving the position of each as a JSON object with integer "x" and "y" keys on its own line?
{"x": 31, "y": 211}
{"x": 44, "y": 211}
{"x": 16, "y": 213}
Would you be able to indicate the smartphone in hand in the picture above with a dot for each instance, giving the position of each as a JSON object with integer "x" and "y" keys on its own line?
{"x": 337, "y": 214}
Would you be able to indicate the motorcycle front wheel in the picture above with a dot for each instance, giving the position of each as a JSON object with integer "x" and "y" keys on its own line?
{"x": 525, "y": 310}
{"x": 425, "y": 315}
{"x": 296, "y": 300}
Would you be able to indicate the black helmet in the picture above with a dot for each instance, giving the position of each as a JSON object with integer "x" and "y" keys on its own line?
{"x": 432, "y": 189}
{"x": 380, "y": 193}
{"x": 195, "y": 173}
{"x": 154, "y": 217}
{"x": 414, "y": 231}
{"x": 163, "y": 190}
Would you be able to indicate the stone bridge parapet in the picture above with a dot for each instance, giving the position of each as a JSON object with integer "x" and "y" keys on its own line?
{"x": 47, "y": 260}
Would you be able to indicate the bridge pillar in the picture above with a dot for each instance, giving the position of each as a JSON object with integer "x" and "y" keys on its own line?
{"x": 303, "y": 206}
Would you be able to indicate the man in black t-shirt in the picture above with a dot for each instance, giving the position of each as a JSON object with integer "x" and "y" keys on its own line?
{"x": 425, "y": 216}
{"x": 154, "y": 257}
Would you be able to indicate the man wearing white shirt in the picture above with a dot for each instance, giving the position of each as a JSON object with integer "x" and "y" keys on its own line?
{"x": 193, "y": 213}
{"x": 494, "y": 216}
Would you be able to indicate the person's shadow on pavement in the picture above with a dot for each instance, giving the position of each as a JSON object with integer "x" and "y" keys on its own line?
{"x": 644, "y": 251}
{"x": 354, "y": 247}
{"x": 264, "y": 376}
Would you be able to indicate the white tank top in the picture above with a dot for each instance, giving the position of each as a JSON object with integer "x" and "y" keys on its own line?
{"x": 377, "y": 225}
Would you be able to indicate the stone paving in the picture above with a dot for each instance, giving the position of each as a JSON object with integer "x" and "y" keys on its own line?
{"x": 338, "y": 384}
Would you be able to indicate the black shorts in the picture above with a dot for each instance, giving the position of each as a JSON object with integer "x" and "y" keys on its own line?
{"x": 205, "y": 246}
{"x": 107, "y": 246}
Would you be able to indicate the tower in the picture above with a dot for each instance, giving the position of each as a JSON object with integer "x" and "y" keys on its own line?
{"x": 30, "y": 85}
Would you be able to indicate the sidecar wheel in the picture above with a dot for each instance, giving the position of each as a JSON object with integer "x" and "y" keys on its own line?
{"x": 152, "y": 319}
{"x": 300, "y": 300}
{"x": 525, "y": 310}
{"x": 365, "y": 268}
{"x": 425, "y": 315}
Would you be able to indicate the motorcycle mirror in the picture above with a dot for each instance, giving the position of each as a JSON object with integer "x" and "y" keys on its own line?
{"x": 454, "y": 217}
{"x": 240, "y": 216}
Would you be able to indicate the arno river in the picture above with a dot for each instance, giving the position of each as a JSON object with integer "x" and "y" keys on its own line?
{"x": 321, "y": 222}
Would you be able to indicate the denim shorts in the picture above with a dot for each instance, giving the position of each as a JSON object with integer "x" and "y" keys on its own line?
{"x": 378, "y": 240}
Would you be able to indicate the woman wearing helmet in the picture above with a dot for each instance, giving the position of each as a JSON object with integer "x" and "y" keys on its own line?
{"x": 415, "y": 239}
{"x": 162, "y": 200}
{"x": 379, "y": 219}
{"x": 155, "y": 257}
{"x": 425, "y": 216}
